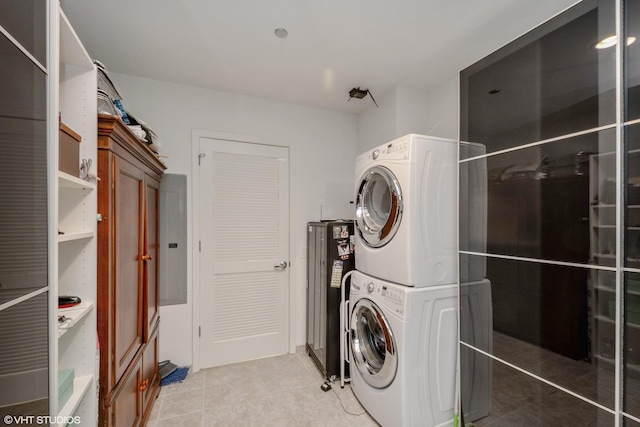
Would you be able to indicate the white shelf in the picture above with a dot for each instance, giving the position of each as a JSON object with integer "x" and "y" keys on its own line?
{"x": 75, "y": 235}
{"x": 71, "y": 49}
{"x": 69, "y": 181}
{"x": 74, "y": 315}
{"x": 605, "y": 256}
{"x": 80, "y": 387}
{"x": 605, "y": 288}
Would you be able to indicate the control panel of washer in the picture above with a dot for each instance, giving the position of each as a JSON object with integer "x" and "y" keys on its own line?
{"x": 393, "y": 298}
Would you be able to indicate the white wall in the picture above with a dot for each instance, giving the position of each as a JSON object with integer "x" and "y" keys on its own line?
{"x": 323, "y": 153}
{"x": 405, "y": 110}
{"x": 377, "y": 125}
{"x": 434, "y": 112}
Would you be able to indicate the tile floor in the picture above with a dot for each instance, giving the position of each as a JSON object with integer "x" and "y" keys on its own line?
{"x": 277, "y": 391}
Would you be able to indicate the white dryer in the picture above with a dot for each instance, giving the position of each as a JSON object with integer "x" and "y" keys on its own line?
{"x": 403, "y": 351}
{"x": 406, "y": 211}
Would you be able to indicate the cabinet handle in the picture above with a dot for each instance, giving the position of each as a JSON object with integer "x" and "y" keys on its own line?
{"x": 147, "y": 257}
{"x": 143, "y": 386}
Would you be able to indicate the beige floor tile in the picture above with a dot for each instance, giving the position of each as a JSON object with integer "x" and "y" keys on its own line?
{"x": 278, "y": 391}
{"x": 191, "y": 419}
{"x": 180, "y": 403}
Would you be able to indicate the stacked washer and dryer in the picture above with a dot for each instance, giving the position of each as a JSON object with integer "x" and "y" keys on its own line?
{"x": 402, "y": 315}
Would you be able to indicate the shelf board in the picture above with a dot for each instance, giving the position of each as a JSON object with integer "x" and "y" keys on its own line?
{"x": 613, "y": 290}
{"x": 611, "y": 227}
{"x": 72, "y": 51}
{"x": 604, "y": 206}
{"x": 80, "y": 387}
{"x": 69, "y": 181}
{"x": 604, "y": 256}
{"x": 75, "y": 235}
{"x": 632, "y": 369}
{"x": 74, "y": 314}
{"x": 604, "y": 319}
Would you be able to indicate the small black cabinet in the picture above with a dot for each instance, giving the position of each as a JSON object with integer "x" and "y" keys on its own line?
{"x": 330, "y": 257}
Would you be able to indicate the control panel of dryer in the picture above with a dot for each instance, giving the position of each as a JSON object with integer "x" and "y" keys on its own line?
{"x": 394, "y": 150}
{"x": 391, "y": 298}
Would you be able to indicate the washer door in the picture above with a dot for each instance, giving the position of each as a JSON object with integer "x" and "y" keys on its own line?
{"x": 372, "y": 344}
{"x": 378, "y": 206}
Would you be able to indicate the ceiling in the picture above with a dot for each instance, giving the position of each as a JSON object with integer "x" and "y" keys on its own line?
{"x": 332, "y": 45}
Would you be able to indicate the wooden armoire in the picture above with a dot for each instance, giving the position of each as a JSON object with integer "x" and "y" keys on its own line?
{"x": 128, "y": 246}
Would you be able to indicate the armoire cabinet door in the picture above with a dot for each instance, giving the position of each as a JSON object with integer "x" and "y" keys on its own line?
{"x": 150, "y": 375}
{"x": 126, "y": 408}
{"x": 151, "y": 252}
{"x": 127, "y": 321}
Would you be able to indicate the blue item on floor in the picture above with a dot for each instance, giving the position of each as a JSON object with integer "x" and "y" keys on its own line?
{"x": 176, "y": 376}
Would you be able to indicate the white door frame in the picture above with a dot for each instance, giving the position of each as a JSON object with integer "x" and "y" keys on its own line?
{"x": 196, "y": 135}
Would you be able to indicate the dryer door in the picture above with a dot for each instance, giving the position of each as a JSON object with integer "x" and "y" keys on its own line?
{"x": 378, "y": 206}
{"x": 373, "y": 346}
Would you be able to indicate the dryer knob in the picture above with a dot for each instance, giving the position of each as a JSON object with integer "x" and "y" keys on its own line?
{"x": 375, "y": 154}
{"x": 371, "y": 287}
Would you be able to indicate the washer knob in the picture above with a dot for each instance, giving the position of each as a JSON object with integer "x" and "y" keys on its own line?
{"x": 375, "y": 154}
{"x": 371, "y": 287}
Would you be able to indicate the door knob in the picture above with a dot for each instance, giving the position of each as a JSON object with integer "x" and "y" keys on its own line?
{"x": 147, "y": 257}
{"x": 282, "y": 266}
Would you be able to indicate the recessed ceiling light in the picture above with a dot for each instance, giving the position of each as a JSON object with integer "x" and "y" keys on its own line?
{"x": 280, "y": 33}
{"x": 611, "y": 41}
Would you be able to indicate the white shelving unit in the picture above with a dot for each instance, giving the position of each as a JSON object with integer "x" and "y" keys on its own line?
{"x": 75, "y": 253}
{"x": 603, "y": 252}
{"x": 602, "y": 220}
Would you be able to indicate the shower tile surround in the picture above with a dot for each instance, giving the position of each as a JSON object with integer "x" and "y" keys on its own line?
{"x": 561, "y": 198}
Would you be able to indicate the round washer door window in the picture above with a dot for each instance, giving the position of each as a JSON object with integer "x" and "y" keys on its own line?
{"x": 372, "y": 344}
{"x": 378, "y": 206}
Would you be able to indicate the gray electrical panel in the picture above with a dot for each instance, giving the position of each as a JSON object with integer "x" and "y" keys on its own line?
{"x": 173, "y": 238}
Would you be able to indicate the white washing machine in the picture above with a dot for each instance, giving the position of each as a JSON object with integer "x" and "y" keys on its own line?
{"x": 406, "y": 194}
{"x": 403, "y": 351}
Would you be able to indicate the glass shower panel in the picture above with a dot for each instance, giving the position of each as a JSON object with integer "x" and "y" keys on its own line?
{"x": 632, "y": 60}
{"x": 632, "y": 347}
{"x": 544, "y": 319}
{"x": 548, "y": 83}
{"x": 553, "y": 201}
{"x": 494, "y": 393}
{"x": 23, "y": 174}
{"x": 26, "y": 21}
{"x": 24, "y": 352}
{"x": 632, "y": 197}
{"x": 628, "y": 422}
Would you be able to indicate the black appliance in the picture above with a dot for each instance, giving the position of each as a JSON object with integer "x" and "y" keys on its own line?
{"x": 330, "y": 257}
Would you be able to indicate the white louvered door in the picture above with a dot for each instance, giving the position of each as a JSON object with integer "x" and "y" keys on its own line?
{"x": 244, "y": 232}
